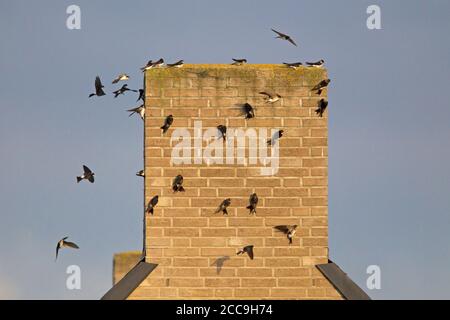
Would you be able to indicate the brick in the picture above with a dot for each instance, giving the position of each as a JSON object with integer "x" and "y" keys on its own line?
{"x": 260, "y": 282}
{"x": 218, "y": 282}
{"x": 252, "y": 293}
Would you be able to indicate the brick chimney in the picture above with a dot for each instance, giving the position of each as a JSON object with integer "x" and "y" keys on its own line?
{"x": 185, "y": 236}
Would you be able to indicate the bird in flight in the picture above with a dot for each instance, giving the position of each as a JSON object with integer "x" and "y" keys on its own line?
{"x": 167, "y": 123}
{"x": 316, "y": 64}
{"x": 270, "y": 98}
{"x": 321, "y": 85}
{"x": 177, "y": 184}
{"x": 98, "y": 88}
{"x": 223, "y": 131}
{"x": 248, "y": 111}
{"x": 141, "y": 95}
{"x": 322, "y": 106}
{"x": 121, "y": 77}
{"x": 122, "y": 90}
{"x": 64, "y": 244}
{"x": 277, "y": 135}
{"x": 141, "y": 173}
{"x": 253, "y": 202}
{"x": 239, "y": 62}
{"x": 289, "y": 231}
{"x": 284, "y": 37}
{"x": 139, "y": 110}
{"x": 248, "y": 250}
{"x": 87, "y": 175}
{"x": 220, "y": 262}
{"x": 293, "y": 65}
{"x": 152, "y": 204}
{"x": 177, "y": 64}
{"x": 223, "y": 206}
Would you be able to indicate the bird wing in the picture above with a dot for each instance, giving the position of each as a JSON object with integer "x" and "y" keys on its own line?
{"x": 91, "y": 179}
{"x": 250, "y": 252}
{"x": 284, "y": 229}
{"x": 279, "y": 33}
{"x": 57, "y": 250}
{"x": 99, "y": 87}
{"x": 87, "y": 170}
{"x": 266, "y": 94}
{"x": 291, "y": 41}
{"x": 69, "y": 244}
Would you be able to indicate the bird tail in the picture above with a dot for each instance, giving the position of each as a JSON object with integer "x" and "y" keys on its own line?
{"x": 150, "y": 210}
{"x": 290, "y": 240}
{"x": 115, "y": 81}
{"x": 164, "y": 128}
{"x": 91, "y": 95}
{"x": 240, "y": 252}
{"x": 181, "y": 189}
{"x": 225, "y": 211}
{"x": 79, "y": 179}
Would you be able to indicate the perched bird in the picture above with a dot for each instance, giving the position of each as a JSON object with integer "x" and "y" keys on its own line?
{"x": 140, "y": 173}
{"x": 248, "y": 111}
{"x": 121, "y": 77}
{"x": 284, "y": 37}
{"x": 148, "y": 66}
{"x": 248, "y": 250}
{"x": 151, "y": 205}
{"x": 140, "y": 110}
{"x": 321, "y": 85}
{"x": 223, "y": 131}
{"x": 270, "y": 98}
{"x": 177, "y": 184}
{"x": 223, "y": 206}
{"x": 322, "y": 105}
{"x": 289, "y": 231}
{"x": 122, "y": 90}
{"x": 253, "y": 203}
{"x": 64, "y": 244}
{"x": 98, "y": 88}
{"x": 220, "y": 262}
{"x": 316, "y": 64}
{"x": 87, "y": 175}
{"x": 167, "y": 123}
{"x": 141, "y": 95}
{"x": 158, "y": 63}
{"x": 239, "y": 62}
{"x": 294, "y": 65}
{"x": 177, "y": 64}
{"x": 277, "y": 135}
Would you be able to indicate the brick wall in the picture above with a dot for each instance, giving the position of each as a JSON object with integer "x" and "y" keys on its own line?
{"x": 185, "y": 237}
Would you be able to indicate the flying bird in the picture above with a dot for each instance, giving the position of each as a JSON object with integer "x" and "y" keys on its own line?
{"x": 289, "y": 231}
{"x": 64, "y": 244}
{"x": 223, "y": 131}
{"x": 253, "y": 203}
{"x": 151, "y": 205}
{"x": 141, "y": 95}
{"x": 87, "y": 175}
{"x": 322, "y": 106}
{"x": 139, "y": 110}
{"x": 284, "y": 37}
{"x": 223, "y": 206}
{"x": 167, "y": 123}
{"x": 239, "y": 62}
{"x": 248, "y": 111}
{"x": 277, "y": 135}
{"x": 294, "y": 65}
{"x": 220, "y": 262}
{"x": 321, "y": 85}
{"x": 98, "y": 88}
{"x": 121, "y": 77}
{"x": 248, "y": 250}
{"x": 316, "y": 64}
{"x": 140, "y": 173}
{"x": 177, "y": 184}
{"x": 148, "y": 66}
{"x": 122, "y": 90}
{"x": 270, "y": 98}
{"x": 177, "y": 64}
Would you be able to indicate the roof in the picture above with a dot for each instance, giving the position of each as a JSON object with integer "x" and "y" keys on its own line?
{"x": 122, "y": 289}
{"x": 342, "y": 282}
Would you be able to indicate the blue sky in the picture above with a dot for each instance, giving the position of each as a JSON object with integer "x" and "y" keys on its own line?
{"x": 389, "y": 130}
